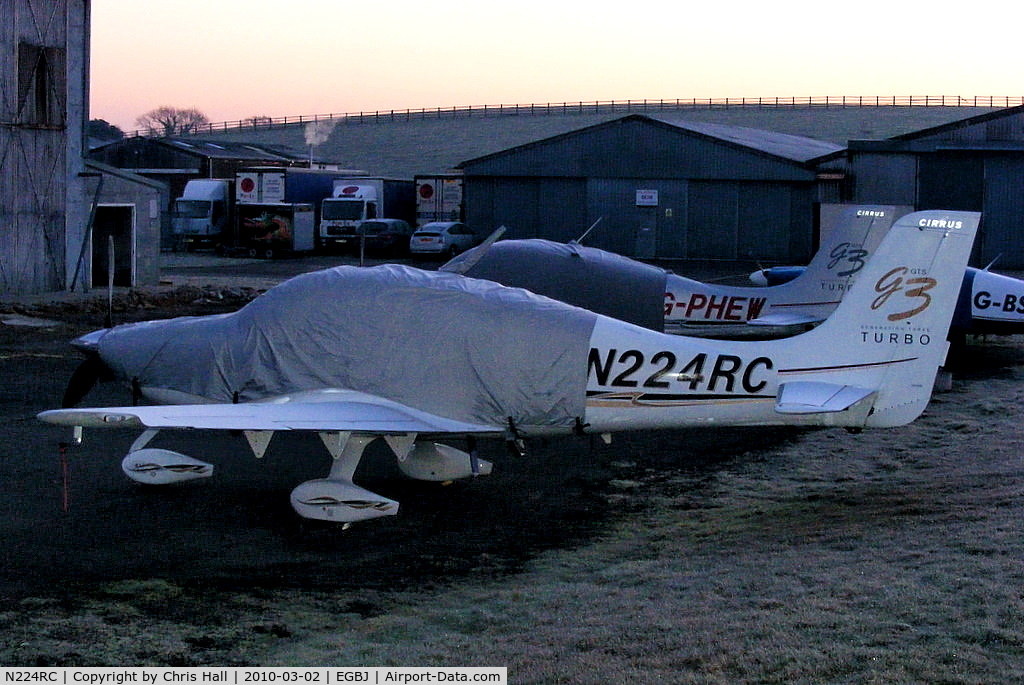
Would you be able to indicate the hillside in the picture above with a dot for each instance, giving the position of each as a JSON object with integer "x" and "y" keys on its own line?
{"x": 404, "y": 145}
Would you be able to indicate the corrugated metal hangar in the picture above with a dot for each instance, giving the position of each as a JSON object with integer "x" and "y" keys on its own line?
{"x": 174, "y": 161}
{"x": 975, "y": 164}
{"x": 662, "y": 188}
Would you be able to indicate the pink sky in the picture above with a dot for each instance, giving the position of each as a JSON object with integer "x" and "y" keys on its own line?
{"x": 233, "y": 59}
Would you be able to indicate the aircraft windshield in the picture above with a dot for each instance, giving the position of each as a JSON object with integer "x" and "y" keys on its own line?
{"x": 192, "y": 209}
{"x": 341, "y": 210}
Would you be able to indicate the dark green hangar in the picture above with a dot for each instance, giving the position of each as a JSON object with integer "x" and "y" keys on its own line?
{"x": 662, "y": 187}
{"x": 974, "y": 164}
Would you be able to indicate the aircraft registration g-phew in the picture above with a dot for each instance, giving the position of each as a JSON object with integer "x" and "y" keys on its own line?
{"x": 651, "y": 297}
{"x": 804, "y": 301}
{"x": 411, "y": 356}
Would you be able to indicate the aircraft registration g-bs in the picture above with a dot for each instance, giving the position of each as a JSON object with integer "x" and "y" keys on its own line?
{"x": 997, "y": 304}
{"x": 651, "y": 297}
{"x": 468, "y": 358}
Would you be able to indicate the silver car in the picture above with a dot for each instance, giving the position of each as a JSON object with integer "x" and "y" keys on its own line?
{"x": 447, "y": 238}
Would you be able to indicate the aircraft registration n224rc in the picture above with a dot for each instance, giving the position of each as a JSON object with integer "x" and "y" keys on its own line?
{"x": 648, "y": 296}
{"x": 410, "y": 356}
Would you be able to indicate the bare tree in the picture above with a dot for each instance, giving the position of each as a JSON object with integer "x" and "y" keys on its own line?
{"x": 169, "y": 121}
{"x": 101, "y": 129}
{"x": 258, "y": 120}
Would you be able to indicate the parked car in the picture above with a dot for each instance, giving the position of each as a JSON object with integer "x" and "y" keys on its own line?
{"x": 447, "y": 238}
{"x": 385, "y": 235}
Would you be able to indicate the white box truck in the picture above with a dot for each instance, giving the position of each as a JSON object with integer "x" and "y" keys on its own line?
{"x": 204, "y": 215}
{"x": 359, "y": 199}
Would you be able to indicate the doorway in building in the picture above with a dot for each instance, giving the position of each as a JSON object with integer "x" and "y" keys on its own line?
{"x": 113, "y": 223}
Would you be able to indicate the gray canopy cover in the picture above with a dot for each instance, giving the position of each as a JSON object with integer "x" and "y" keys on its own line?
{"x": 600, "y": 281}
{"x": 458, "y": 347}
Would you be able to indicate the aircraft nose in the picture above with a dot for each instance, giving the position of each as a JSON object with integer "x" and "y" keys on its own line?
{"x": 91, "y": 370}
{"x": 89, "y": 342}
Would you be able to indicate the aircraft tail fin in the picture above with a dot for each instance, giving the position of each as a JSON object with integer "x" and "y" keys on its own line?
{"x": 889, "y": 332}
{"x": 844, "y": 252}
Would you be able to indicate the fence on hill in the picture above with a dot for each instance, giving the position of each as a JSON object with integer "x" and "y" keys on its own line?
{"x": 598, "y": 107}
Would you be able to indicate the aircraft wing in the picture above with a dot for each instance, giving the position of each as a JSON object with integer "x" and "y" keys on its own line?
{"x": 809, "y": 397}
{"x": 325, "y": 410}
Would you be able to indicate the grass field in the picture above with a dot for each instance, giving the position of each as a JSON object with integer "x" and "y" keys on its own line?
{"x": 890, "y": 556}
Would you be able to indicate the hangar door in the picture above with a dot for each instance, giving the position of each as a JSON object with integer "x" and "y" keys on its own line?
{"x": 113, "y": 223}
{"x": 560, "y": 209}
{"x": 951, "y": 180}
{"x": 735, "y": 220}
{"x": 643, "y": 218}
{"x": 1004, "y": 213}
{"x": 551, "y": 208}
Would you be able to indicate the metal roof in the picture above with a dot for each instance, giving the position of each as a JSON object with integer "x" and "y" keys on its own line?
{"x": 779, "y": 148}
{"x": 125, "y": 174}
{"x": 216, "y": 149}
{"x": 232, "y": 150}
{"x": 794, "y": 148}
{"x": 961, "y": 124}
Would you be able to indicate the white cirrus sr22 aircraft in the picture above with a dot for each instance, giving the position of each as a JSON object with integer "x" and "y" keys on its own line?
{"x": 411, "y": 357}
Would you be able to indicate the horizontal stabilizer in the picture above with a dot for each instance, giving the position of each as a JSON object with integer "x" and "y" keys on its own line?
{"x": 808, "y": 397}
{"x": 788, "y": 319}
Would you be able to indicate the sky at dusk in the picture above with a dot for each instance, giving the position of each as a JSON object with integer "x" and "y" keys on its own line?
{"x": 234, "y": 59}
